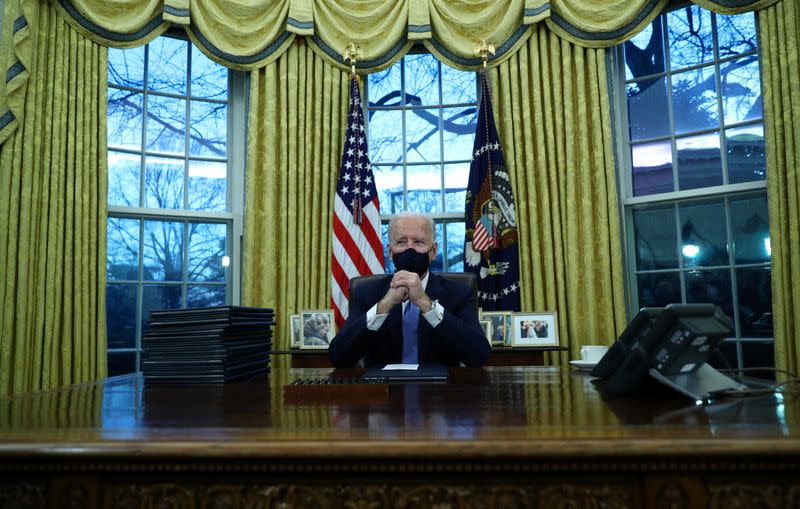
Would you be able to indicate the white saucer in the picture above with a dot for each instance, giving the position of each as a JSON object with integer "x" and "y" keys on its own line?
{"x": 583, "y": 365}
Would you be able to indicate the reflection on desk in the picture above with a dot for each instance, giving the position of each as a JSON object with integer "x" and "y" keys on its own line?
{"x": 514, "y": 436}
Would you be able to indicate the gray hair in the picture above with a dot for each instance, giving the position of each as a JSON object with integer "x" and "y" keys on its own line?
{"x": 413, "y": 215}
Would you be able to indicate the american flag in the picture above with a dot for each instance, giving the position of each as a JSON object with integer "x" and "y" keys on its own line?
{"x": 357, "y": 249}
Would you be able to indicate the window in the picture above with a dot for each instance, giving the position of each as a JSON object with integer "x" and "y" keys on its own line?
{"x": 694, "y": 191}
{"x": 421, "y": 124}
{"x": 170, "y": 188}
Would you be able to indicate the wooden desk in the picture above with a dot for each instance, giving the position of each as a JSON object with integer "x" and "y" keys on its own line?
{"x": 494, "y": 437}
{"x": 500, "y": 356}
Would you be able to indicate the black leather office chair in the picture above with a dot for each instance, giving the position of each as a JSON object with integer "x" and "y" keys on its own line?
{"x": 467, "y": 278}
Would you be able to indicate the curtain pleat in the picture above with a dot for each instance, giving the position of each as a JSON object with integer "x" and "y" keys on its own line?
{"x": 780, "y": 60}
{"x": 53, "y": 184}
{"x": 552, "y": 107}
{"x": 297, "y": 115}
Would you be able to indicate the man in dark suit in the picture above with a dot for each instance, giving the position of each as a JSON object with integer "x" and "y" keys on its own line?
{"x": 412, "y": 316}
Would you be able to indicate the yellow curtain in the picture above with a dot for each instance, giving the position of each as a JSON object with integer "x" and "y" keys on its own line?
{"x": 552, "y": 110}
{"x": 53, "y": 217}
{"x": 296, "y": 124}
{"x": 780, "y": 60}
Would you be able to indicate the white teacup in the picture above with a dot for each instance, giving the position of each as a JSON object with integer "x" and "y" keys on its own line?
{"x": 593, "y": 353}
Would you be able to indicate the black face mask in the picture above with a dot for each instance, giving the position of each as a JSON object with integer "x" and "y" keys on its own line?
{"x": 412, "y": 261}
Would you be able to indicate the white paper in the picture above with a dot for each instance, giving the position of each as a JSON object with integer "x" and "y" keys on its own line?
{"x": 389, "y": 367}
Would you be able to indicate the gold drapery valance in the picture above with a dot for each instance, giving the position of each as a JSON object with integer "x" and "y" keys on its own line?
{"x": 248, "y": 35}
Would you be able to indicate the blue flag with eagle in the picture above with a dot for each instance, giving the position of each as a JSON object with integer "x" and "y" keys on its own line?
{"x": 491, "y": 244}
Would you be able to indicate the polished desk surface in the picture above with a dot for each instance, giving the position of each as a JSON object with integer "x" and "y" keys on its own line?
{"x": 510, "y": 411}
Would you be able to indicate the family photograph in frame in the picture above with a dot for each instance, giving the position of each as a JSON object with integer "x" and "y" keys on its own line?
{"x": 534, "y": 329}
{"x": 487, "y": 329}
{"x": 316, "y": 328}
{"x": 294, "y": 323}
{"x": 500, "y": 320}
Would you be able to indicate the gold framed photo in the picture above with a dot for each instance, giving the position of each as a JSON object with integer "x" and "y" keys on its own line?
{"x": 501, "y": 321}
{"x": 294, "y": 321}
{"x": 487, "y": 329}
{"x": 316, "y": 328}
{"x": 534, "y": 329}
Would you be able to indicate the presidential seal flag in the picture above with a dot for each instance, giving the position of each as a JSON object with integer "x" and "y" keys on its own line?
{"x": 357, "y": 249}
{"x": 490, "y": 247}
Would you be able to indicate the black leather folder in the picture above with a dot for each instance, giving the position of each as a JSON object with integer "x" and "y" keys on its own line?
{"x": 424, "y": 373}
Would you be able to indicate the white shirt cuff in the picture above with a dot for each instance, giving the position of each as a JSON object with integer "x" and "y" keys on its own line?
{"x": 435, "y": 314}
{"x": 374, "y": 320}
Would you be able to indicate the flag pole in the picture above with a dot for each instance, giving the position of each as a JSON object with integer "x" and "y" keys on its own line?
{"x": 351, "y": 54}
{"x": 483, "y": 49}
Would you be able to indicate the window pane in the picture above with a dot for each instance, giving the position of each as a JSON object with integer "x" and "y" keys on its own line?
{"x": 166, "y": 124}
{"x": 163, "y": 248}
{"x": 747, "y": 160}
{"x": 385, "y": 240}
{"x": 208, "y": 129}
{"x": 694, "y": 100}
{"x": 383, "y": 87}
{"x": 207, "y": 186}
{"x": 652, "y": 168}
{"x": 437, "y": 265}
{"x": 424, "y": 185}
{"x": 122, "y": 247}
{"x": 126, "y": 67}
{"x": 455, "y": 246}
{"x": 736, "y": 34}
{"x": 755, "y": 301}
{"x": 209, "y": 79}
{"x": 458, "y": 87}
{"x": 385, "y": 136}
{"x": 121, "y": 363}
{"x": 206, "y": 249}
{"x": 704, "y": 240}
{"x": 648, "y": 112}
{"x": 699, "y": 161}
{"x": 155, "y": 297}
{"x": 750, "y": 224}
{"x": 163, "y": 183}
{"x": 167, "y": 66}
{"x": 456, "y": 177}
{"x": 205, "y": 296}
{"x": 124, "y": 119}
{"x": 689, "y": 37}
{"x": 422, "y": 135}
{"x": 658, "y": 290}
{"x": 713, "y": 286}
{"x": 121, "y": 315}
{"x": 644, "y": 53}
{"x": 124, "y": 171}
{"x": 389, "y": 182}
{"x": 422, "y": 79}
{"x": 459, "y": 132}
{"x": 741, "y": 89}
{"x": 656, "y": 238}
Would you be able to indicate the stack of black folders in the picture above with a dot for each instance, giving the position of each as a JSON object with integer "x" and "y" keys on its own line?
{"x": 207, "y": 345}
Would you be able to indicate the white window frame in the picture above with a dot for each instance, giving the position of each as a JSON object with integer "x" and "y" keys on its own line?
{"x": 233, "y": 217}
{"x": 628, "y": 202}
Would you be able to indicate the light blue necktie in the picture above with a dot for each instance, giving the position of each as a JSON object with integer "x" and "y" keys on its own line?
{"x": 410, "y": 344}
